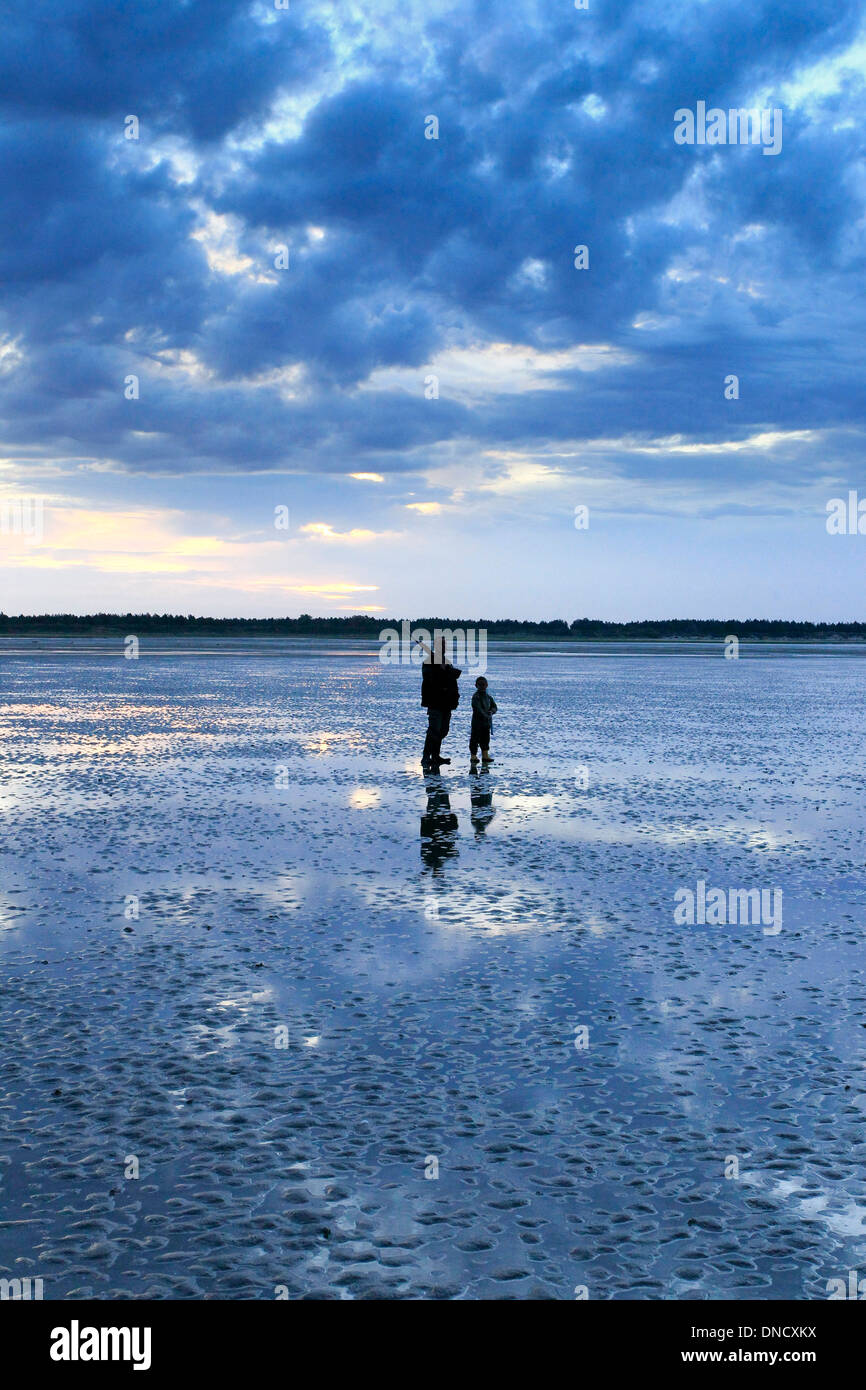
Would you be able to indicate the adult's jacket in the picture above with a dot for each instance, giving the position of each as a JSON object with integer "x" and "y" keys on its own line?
{"x": 439, "y": 686}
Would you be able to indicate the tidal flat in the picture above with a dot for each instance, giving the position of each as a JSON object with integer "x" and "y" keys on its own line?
{"x": 285, "y": 1017}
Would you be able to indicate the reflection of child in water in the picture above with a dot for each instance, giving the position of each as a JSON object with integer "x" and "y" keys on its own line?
{"x": 482, "y": 812}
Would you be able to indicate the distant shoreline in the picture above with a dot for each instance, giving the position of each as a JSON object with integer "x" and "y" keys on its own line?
{"x": 768, "y": 630}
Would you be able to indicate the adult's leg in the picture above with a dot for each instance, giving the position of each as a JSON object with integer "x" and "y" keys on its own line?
{"x": 430, "y": 739}
{"x": 433, "y": 741}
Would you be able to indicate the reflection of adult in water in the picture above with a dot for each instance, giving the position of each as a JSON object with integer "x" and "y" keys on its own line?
{"x": 438, "y": 825}
{"x": 481, "y": 796}
{"x": 439, "y": 696}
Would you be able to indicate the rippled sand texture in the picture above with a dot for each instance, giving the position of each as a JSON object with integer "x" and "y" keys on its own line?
{"x": 430, "y": 951}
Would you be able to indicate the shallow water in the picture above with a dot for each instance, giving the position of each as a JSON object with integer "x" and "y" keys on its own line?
{"x": 431, "y": 948}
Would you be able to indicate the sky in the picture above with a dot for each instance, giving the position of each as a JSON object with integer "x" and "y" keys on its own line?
{"x": 291, "y": 320}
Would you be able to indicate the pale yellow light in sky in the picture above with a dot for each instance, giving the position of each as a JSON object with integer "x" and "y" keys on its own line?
{"x": 146, "y": 542}
{"x": 323, "y": 530}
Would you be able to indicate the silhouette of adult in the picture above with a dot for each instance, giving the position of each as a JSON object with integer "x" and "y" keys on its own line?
{"x": 439, "y": 696}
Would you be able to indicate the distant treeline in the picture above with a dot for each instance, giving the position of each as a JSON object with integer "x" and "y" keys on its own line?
{"x": 363, "y": 625}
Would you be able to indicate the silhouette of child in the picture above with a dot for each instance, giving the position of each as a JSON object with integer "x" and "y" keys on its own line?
{"x": 483, "y": 709}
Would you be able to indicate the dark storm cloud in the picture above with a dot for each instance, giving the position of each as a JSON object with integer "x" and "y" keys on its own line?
{"x": 190, "y": 66}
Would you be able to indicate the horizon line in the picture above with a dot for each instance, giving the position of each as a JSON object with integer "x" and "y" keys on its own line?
{"x": 378, "y": 621}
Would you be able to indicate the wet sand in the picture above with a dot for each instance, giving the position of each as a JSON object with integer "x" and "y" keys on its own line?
{"x": 430, "y": 949}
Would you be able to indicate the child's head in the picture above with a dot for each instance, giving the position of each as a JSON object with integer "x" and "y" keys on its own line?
{"x": 481, "y": 683}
